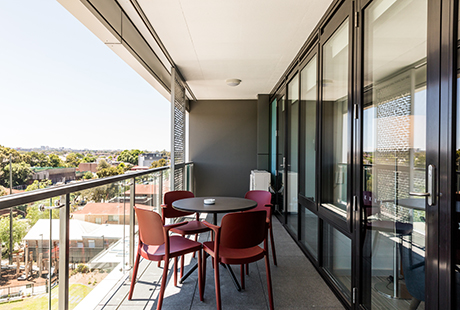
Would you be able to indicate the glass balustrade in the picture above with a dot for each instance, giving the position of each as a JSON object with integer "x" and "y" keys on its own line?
{"x": 73, "y": 243}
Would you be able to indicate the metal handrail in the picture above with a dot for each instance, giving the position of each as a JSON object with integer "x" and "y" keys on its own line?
{"x": 41, "y": 194}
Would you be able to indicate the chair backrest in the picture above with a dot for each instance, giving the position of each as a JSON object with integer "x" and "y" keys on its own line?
{"x": 169, "y": 198}
{"x": 262, "y": 198}
{"x": 151, "y": 229}
{"x": 241, "y": 230}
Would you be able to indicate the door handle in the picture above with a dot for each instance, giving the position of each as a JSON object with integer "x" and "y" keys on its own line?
{"x": 430, "y": 194}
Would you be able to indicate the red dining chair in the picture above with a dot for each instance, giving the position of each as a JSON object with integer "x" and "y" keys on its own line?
{"x": 155, "y": 244}
{"x": 263, "y": 199}
{"x": 190, "y": 228}
{"x": 236, "y": 242}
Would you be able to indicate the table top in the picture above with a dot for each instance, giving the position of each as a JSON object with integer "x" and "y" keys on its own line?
{"x": 222, "y": 204}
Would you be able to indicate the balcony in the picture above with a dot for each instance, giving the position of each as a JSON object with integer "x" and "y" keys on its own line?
{"x": 296, "y": 285}
{"x": 91, "y": 255}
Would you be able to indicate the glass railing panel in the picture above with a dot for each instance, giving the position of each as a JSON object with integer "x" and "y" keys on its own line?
{"x": 29, "y": 272}
{"x": 99, "y": 241}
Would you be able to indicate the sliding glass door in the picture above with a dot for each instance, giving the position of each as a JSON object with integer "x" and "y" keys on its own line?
{"x": 394, "y": 152}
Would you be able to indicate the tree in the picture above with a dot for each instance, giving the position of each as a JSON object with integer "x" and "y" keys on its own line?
{"x": 55, "y": 161}
{"x": 102, "y": 165}
{"x": 72, "y": 160}
{"x": 124, "y": 167}
{"x": 20, "y": 229}
{"x": 38, "y": 185}
{"x": 158, "y": 163}
{"x": 89, "y": 158}
{"x": 131, "y": 157}
{"x": 110, "y": 171}
{"x": 21, "y": 172}
{"x": 3, "y": 191}
{"x": 34, "y": 214}
{"x": 100, "y": 193}
{"x": 88, "y": 175}
{"x": 35, "y": 159}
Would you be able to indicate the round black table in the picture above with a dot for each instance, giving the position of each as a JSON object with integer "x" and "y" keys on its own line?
{"x": 221, "y": 205}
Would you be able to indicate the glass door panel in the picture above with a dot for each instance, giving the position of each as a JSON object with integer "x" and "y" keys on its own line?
{"x": 308, "y": 97}
{"x": 273, "y": 140}
{"x": 394, "y": 153}
{"x": 280, "y": 162}
{"x": 456, "y": 221}
{"x": 293, "y": 153}
{"x": 335, "y": 122}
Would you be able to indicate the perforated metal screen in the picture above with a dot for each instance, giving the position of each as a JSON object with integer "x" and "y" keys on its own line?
{"x": 178, "y": 103}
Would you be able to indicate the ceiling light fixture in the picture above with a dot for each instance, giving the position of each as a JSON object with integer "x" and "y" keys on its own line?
{"x": 233, "y": 82}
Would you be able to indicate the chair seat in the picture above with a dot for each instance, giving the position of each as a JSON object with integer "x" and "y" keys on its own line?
{"x": 191, "y": 228}
{"x": 177, "y": 246}
{"x": 232, "y": 256}
{"x": 389, "y": 226}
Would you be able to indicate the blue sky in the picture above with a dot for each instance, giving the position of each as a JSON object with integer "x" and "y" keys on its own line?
{"x": 62, "y": 87}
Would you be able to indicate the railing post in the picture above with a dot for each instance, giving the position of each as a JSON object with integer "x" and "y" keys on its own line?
{"x": 64, "y": 215}
{"x": 160, "y": 191}
{"x": 132, "y": 223}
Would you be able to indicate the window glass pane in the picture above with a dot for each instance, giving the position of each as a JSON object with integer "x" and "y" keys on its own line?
{"x": 293, "y": 145}
{"x": 308, "y": 98}
{"x": 394, "y": 152}
{"x": 335, "y": 122}
{"x": 310, "y": 232}
{"x": 337, "y": 257}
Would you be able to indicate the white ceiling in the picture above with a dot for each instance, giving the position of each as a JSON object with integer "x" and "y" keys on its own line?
{"x": 211, "y": 41}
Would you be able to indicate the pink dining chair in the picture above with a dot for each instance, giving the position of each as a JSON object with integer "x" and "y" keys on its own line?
{"x": 194, "y": 227}
{"x": 263, "y": 199}
{"x": 236, "y": 242}
{"x": 155, "y": 244}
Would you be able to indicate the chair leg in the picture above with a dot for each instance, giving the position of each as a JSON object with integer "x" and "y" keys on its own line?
{"x": 159, "y": 263}
{"x": 196, "y": 239}
{"x": 175, "y": 270}
{"x": 242, "y": 275}
{"x": 272, "y": 241}
{"x": 203, "y": 270}
{"x": 133, "y": 279}
{"x": 182, "y": 259}
{"x": 217, "y": 284}
{"x": 247, "y": 269}
{"x": 200, "y": 275}
{"x": 269, "y": 281}
{"x": 163, "y": 285}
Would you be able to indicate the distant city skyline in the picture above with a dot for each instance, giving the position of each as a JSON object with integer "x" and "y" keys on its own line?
{"x": 62, "y": 87}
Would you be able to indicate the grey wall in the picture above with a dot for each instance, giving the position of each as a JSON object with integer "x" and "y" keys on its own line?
{"x": 263, "y": 132}
{"x": 223, "y": 145}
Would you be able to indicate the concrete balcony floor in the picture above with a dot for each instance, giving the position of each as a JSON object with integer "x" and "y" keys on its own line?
{"x": 296, "y": 284}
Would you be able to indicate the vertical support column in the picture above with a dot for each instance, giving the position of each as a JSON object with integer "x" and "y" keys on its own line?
{"x": 10, "y": 254}
{"x": 132, "y": 223}
{"x": 173, "y": 122}
{"x": 160, "y": 191}
{"x": 50, "y": 250}
{"x": 64, "y": 215}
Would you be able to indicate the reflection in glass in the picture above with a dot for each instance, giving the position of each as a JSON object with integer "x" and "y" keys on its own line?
{"x": 456, "y": 228}
{"x": 337, "y": 257}
{"x": 310, "y": 232}
{"x": 335, "y": 122}
{"x": 293, "y": 145}
{"x": 279, "y": 200}
{"x": 308, "y": 100}
{"x": 273, "y": 114}
{"x": 394, "y": 152}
